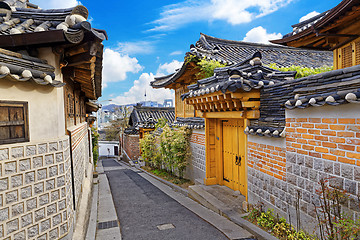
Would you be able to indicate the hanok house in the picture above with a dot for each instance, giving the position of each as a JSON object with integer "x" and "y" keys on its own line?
{"x": 142, "y": 121}
{"x": 50, "y": 68}
{"x": 230, "y": 53}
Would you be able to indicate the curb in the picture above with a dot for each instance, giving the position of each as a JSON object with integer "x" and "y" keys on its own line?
{"x": 91, "y": 231}
{"x": 250, "y": 227}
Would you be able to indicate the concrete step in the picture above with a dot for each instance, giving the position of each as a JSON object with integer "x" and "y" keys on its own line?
{"x": 199, "y": 181}
{"x": 220, "y": 199}
{"x": 227, "y": 203}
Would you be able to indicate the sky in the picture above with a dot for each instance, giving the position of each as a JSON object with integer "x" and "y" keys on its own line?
{"x": 149, "y": 38}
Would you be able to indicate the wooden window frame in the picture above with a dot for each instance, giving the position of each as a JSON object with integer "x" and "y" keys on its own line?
{"x": 25, "y": 123}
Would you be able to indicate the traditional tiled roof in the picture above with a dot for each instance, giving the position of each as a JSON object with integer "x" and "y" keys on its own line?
{"x": 247, "y": 75}
{"x": 131, "y": 131}
{"x": 266, "y": 131}
{"x": 315, "y": 32}
{"x": 22, "y": 68}
{"x": 147, "y": 117}
{"x": 332, "y": 88}
{"x": 233, "y": 52}
{"x": 190, "y": 122}
{"x": 44, "y": 25}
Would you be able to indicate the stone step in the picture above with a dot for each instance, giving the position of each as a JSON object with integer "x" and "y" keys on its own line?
{"x": 227, "y": 203}
{"x": 199, "y": 181}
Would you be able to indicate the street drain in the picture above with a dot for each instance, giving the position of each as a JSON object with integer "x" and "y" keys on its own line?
{"x": 109, "y": 224}
{"x": 165, "y": 226}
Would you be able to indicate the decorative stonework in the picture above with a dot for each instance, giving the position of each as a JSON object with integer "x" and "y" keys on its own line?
{"x": 35, "y": 190}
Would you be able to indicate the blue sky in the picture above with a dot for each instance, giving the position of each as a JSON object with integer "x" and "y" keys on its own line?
{"x": 150, "y": 38}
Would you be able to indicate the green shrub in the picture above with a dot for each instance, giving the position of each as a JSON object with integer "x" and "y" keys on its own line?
{"x": 95, "y": 143}
{"x": 301, "y": 71}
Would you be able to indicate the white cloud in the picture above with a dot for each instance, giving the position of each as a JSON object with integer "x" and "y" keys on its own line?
{"x": 232, "y": 11}
{"x": 168, "y": 68}
{"x": 308, "y": 16}
{"x": 117, "y": 65}
{"x": 143, "y": 47}
{"x": 137, "y": 91}
{"x": 260, "y": 35}
{"x": 50, "y": 4}
{"x": 176, "y": 53}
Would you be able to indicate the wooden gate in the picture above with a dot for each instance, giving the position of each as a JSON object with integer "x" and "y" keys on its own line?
{"x": 233, "y": 154}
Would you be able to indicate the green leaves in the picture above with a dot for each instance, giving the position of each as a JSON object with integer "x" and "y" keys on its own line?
{"x": 301, "y": 71}
{"x": 207, "y": 67}
{"x": 170, "y": 150}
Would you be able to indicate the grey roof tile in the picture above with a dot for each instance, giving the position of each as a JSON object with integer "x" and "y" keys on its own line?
{"x": 234, "y": 52}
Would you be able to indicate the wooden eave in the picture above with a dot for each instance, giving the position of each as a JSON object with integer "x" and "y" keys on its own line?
{"x": 83, "y": 63}
{"x": 35, "y": 38}
{"x": 336, "y": 29}
{"x": 186, "y": 78}
{"x": 239, "y": 104}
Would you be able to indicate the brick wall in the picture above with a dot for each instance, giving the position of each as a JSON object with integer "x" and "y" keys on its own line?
{"x": 267, "y": 171}
{"x": 131, "y": 146}
{"x": 35, "y": 190}
{"x": 321, "y": 143}
{"x": 267, "y": 159}
{"x": 196, "y": 168}
{"x": 323, "y": 148}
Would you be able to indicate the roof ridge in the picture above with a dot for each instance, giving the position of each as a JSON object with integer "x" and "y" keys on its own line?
{"x": 220, "y": 40}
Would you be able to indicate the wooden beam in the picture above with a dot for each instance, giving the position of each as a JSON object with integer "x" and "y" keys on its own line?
{"x": 251, "y": 104}
{"x": 230, "y": 114}
{"x": 253, "y": 114}
{"x": 245, "y": 95}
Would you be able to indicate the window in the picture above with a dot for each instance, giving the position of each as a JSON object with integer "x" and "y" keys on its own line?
{"x": 14, "y": 124}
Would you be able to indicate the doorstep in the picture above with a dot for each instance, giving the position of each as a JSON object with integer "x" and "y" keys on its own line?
{"x": 229, "y": 204}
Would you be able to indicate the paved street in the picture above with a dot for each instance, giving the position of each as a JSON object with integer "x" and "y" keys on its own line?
{"x": 145, "y": 212}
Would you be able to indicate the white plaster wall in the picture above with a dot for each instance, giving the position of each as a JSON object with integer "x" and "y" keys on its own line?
{"x": 276, "y": 142}
{"x": 350, "y": 110}
{"x": 46, "y": 103}
{"x": 103, "y": 148}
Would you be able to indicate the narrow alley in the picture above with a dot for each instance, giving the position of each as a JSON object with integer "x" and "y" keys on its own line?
{"x": 146, "y": 212}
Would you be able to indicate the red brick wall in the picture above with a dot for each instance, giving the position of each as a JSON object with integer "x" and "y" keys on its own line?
{"x": 335, "y": 139}
{"x": 267, "y": 159}
{"x": 131, "y": 146}
{"x": 197, "y": 138}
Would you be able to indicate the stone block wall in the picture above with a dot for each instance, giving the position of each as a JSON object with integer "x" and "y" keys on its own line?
{"x": 324, "y": 148}
{"x": 196, "y": 168}
{"x": 321, "y": 143}
{"x": 131, "y": 146}
{"x": 267, "y": 172}
{"x": 80, "y": 153}
{"x": 35, "y": 190}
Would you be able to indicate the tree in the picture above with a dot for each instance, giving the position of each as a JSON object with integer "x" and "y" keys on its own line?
{"x": 118, "y": 125}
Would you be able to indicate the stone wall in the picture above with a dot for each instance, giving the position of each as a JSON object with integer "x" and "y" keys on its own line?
{"x": 35, "y": 190}
{"x": 131, "y": 146}
{"x": 321, "y": 143}
{"x": 80, "y": 154}
{"x": 267, "y": 171}
{"x": 197, "y": 162}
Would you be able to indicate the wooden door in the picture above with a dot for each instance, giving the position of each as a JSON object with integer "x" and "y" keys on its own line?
{"x": 234, "y": 154}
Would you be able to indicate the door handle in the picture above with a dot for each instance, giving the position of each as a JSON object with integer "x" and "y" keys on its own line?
{"x": 237, "y": 160}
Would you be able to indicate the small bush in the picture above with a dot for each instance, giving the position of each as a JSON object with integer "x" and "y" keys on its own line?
{"x": 301, "y": 71}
